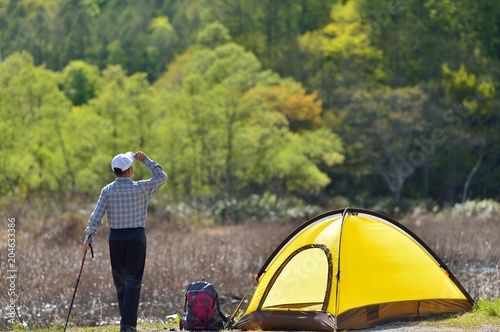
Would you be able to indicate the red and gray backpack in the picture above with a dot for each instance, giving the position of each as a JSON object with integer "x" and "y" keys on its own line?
{"x": 201, "y": 307}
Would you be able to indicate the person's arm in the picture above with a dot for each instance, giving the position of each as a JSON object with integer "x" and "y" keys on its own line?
{"x": 95, "y": 220}
{"x": 158, "y": 174}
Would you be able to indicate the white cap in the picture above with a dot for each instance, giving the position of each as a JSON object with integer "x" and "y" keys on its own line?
{"x": 123, "y": 161}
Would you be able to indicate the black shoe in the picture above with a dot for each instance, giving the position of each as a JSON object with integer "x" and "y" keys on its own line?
{"x": 128, "y": 329}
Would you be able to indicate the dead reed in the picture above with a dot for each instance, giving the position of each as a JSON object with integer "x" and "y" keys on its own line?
{"x": 49, "y": 254}
{"x": 468, "y": 245}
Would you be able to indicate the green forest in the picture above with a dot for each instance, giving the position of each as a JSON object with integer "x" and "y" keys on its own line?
{"x": 253, "y": 105}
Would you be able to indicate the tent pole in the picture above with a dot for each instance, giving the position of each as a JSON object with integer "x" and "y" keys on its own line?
{"x": 337, "y": 295}
{"x": 228, "y": 323}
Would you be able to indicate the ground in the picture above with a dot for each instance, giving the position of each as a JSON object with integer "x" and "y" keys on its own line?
{"x": 390, "y": 327}
{"x": 418, "y": 327}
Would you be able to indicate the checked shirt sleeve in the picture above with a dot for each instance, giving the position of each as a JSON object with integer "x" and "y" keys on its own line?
{"x": 95, "y": 220}
{"x": 152, "y": 185}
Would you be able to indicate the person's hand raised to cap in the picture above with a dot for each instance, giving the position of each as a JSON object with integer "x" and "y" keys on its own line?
{"x": 140, "y": 156}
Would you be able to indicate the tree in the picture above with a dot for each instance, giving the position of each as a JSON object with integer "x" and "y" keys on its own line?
{"x": 213, "y": 35}
{"x": 342, "y": 57}
{"x": 233, "y": 140}
{"x": 162, "y": 43}
{"x": 124, "y": 101}
{"x": 386, "y": 128}
{"x": 80, "y": 82}
{"x": 73, "y": 28}
{"x": 34, "y": 111}
{"x": 269, "y": 28}
{"x": 469, "y": 119}
{"x": 302, "y": 110}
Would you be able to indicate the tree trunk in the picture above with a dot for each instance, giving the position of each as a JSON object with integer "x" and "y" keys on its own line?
{"x": 469, "y": 179}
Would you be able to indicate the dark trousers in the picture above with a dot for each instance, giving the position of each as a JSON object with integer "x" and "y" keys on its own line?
{"x": 127, "y": 249}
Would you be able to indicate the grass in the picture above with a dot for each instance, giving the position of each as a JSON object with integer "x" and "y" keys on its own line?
{"x": 49, "y": 255}
{"x": 486, "y": 313}
{"x": 489, "y": 308}
{"x": 107, "y": 328}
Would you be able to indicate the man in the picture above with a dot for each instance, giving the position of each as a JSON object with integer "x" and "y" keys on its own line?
{"x": 125, "y": 203}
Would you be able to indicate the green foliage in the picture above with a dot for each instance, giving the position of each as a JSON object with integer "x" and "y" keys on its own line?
{"x": 484, "y": 316}
{"x": 395, "y": 155}
{"x": 34, "y": 113}
{"x": 303, "y": 98}
{"x": 480, "y": 209}
{"x": 161, "y": 44}
{"x": 229, "y": 139}
{"x": 347, "y": 37}
{"x": 80, "y": 82}
{"x": 458, "y": 84}
{"x": 342, "y": 56}
{"x": 261, "y": 208}
{"x": 213, "y": 35}
{"x": 489, "y": 308}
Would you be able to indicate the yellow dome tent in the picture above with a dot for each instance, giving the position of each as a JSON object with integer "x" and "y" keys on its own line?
{"x": 351, "y": 269}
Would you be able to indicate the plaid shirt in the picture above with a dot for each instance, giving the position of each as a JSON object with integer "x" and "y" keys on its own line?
{"x": 125, "y": 201}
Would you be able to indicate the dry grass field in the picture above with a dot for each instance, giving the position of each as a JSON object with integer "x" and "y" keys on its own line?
{"x": 48, "y": 255}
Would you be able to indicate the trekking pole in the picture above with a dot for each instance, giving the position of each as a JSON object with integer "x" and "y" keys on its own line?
{"x": 77, "y": 282}
{"x": 239, "y": 304}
